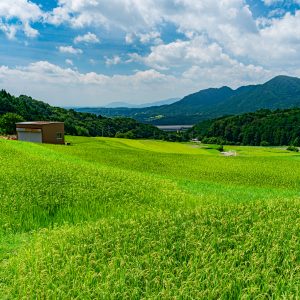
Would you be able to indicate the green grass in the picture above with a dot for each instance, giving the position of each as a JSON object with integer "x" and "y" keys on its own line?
{"x": 122, "y": 219}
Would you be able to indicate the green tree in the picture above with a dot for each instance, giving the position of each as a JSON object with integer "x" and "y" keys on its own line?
{"x": 8, "y": 122}
{"x": 296, "y": 142}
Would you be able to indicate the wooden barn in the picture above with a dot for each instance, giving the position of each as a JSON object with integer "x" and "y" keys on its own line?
{"x": 41, "y": 132}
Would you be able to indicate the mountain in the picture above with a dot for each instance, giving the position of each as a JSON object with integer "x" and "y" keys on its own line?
{"x": 119, "y": 104}
{"x": 199, "y": 101}
{"x": 130, "y": 105}
{"x": 279, "y": 92}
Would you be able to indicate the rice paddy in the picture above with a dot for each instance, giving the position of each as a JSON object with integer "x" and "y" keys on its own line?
{"x": 129, "y": 219}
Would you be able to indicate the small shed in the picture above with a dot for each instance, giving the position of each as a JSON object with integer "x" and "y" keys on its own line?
{"x": 41, "y": 132}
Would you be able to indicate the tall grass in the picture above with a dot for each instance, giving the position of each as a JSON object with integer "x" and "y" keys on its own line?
{"x": 117, "y": 219}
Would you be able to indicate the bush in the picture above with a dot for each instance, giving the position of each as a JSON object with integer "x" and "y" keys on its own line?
{"x": 264, "y": 143}
{"x": 292, "y": 148}
{"x": 220, "y": 148}
{"x": 213, "y": 140}
{"x": 82, "y": 131}
{"x": 8, "y": 123}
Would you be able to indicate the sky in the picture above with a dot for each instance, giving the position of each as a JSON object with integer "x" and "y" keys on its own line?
{"x": 94, "y": 52}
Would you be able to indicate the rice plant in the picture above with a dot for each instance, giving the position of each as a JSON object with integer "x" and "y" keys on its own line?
{"x": 116, "y": 219}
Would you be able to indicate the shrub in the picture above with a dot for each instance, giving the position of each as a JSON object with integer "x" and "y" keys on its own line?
{"x": 220, "y": 148}
{"x": 213, "y": 140}
{"x": 8, "y": 123}
{"x": 292, "y": 148}
{"x": 264, "y": 143}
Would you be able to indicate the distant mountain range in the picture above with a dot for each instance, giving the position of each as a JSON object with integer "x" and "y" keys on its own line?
{"x": 280, "y": 92}
{"x": 149, "y": 104}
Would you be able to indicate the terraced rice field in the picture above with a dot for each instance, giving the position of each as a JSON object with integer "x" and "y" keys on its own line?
{"x": 127, "y": 219}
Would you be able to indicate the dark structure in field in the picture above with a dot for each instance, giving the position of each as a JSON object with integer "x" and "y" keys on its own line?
{"x": 41, "y": 132}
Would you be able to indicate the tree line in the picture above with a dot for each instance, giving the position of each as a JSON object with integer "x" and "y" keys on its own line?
{"x": 23, "y": 108}
{"x": 261, "y": 128}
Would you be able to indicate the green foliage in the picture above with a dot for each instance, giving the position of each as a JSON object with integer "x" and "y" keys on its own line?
{"x": 8, "y": 122}
{"x": 264, "y": 144}
{"x": 142, "y": 219}
{"x": 296, "y": 141}
{"x": 292, "y": 148}
{"x": 76, "y": 123}
{"x": 261, "y": 128}
{"x": 220, "y": 148}
{"x": 81, "y": 131}
{"x": 213, "y": 140}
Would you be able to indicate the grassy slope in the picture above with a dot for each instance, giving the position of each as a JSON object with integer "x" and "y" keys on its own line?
{"x": 112, "y": 218}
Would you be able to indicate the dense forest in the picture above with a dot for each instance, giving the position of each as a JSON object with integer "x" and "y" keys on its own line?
{"x": 24, "y": 108}
{"x": 264, "y": 127}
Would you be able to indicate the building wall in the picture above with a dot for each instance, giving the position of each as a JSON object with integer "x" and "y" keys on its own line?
{"x": 30, "y": 135}
{"x": 50, "y": 132}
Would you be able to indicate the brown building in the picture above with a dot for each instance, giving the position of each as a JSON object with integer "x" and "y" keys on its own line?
{"x": 41, "y": 132}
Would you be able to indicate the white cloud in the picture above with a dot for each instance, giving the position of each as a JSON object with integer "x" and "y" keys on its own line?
{"x": 153, "y": 37}
{"x": 69, "y": 62}
{"x": 276, "y": 2}
{"x": 183, "y": 54}
{"x": 69, "y": 50}
{"x": 129, "y": 38}
{"x": 221, "y": 43}
{"x": 136, "y": 15}
{"x": 227, "y": 24}
{"x": 87, "y": 38}
{"x": 9, "y": 30}
{"x": 24, "y": 11}
{"x": 70, "y": 87}
{"x": 114, "y": 13}
{"x": 113, "y": 61}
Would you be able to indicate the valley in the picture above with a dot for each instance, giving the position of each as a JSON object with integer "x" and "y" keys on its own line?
{"x": 281, "y": 92}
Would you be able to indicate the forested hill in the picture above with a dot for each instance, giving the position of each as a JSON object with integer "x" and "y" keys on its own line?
{"x": 264, "y": 127}
{"x": 24, "y": 108}
{"x": 280, "y": 92}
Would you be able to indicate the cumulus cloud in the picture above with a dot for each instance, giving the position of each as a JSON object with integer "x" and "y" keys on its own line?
{"x": 9, "y": 30}
{"x": 220, "y": 43}
{"x": 273, "y": 2}
{"x": 69, "y": 50}
{"x": 119, "y": 13}
{"x": 182, "y": 54}
{"x": 87, "y": 38}
{"x": 24, "y": 11}
{"x": 69, "y": 62}
{"x": 151, "y": 37}
{"x": 229, "y": 23}
{"x": 135, "y": 15}
{"x": 71, "y": 87}
{"x": 129, "y": 38}
{"x": 113, "y": 61}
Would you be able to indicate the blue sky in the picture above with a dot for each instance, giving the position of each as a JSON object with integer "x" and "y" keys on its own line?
{"x": 93, "y": 52}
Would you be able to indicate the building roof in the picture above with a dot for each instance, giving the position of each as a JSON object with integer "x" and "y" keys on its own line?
{"x": 39, "y": 123}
